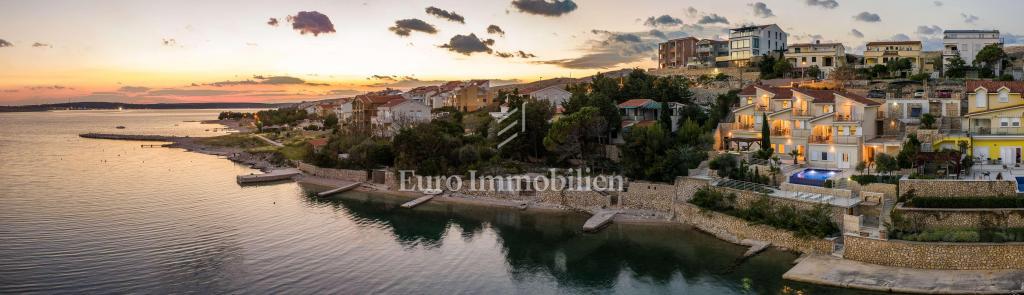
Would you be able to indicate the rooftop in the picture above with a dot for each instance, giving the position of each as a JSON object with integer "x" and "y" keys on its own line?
{"x": 894, "y": 43}
{"x": 993, "y": 86}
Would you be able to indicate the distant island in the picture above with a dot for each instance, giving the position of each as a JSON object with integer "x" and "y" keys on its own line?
{"x": 134, "y": 106}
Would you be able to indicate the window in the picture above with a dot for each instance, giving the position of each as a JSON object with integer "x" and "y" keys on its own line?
{"x": 980, "y": 98}
{"x": 842, "y": 130}
{"x": 824, "y": 156}
{"x": 853, "y": 130}
{"x": 803, "y": 59}
{"x": 750, "y": 100}
{"x": 781, "y": 149}
{"x": 1004, "y": 95}
{"x": 814, "y": 59}
{"x": 1004, "y": 122}
{"x": 1015, "y": 122}
{"x": 785, "y": 104}
{"x": 827, "y": 108}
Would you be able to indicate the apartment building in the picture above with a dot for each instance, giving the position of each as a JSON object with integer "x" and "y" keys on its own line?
{"x": 827, "y": 128}
{"x": 708, "y": 51}
{"x": 399, "y": 113}
{"x": 967, "y": 43}
{"x": 471, "y": 96}
{"x": 365, "y": 107}
{"x": 826, "y": 56}
{"x": 881, "y": 52}
{"x": 751, "y": 42}
{"x": 993, "y": 120}
{"x": 676, "y": 53}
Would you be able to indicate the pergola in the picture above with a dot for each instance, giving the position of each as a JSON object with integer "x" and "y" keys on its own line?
{"x": 739, "y": 143}
{"x": 948, "y": 158}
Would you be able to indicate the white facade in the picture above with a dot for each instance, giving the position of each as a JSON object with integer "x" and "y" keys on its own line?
{"x": 748, "y": 42}
{"x": 825, "y": 56}
{"x": 967, "y": 43}
{"x": 343, "y": 110}
{"x": 554, "y": 94}
{"x": 403, "y": 113}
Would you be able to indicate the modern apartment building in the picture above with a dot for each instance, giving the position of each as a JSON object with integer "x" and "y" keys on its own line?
{"x": 827, "y": 128}
{"x": 708, "y": 51}
{"x": 881, "y": 52}
{"x": 676, "y": 53}
{"x": 469, "y": 96}
{"x": 826, "y": 56}
{"x": 967, "y": 43}
{"x": 993, "y": 120}
{"x": 751, "y": 42}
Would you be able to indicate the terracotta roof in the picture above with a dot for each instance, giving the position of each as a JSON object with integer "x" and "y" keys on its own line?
{"x": 820, "y": 96}
{"x": 635, "y": 103}
{"x": 423, "y": 89}
{"x": 318, "y": 142}
{"x": 993, "y": 86}
{"x": 378, "y": 99}
{"x": 748, "y": 91}
{"x": 451, "y": 86}
{"x": 858, "y": 98}
{"x": 394, "y": 102}
{"x": 780, "y": 93}
{"x": 894, "y": 43}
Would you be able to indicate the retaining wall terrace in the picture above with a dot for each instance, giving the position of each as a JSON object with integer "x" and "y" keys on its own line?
{"x": 888, "y": 189}
{"x": 744, "y": 198}
{"x": 725, "y": 226}
{"x": 950, "y": 256}
{"x": 648, "y": 196}
{"x": 958, "y": 188}
{"x": 949, "y": 218}
{"x": 845, "y": 193}
{"x": 342, "y": 174}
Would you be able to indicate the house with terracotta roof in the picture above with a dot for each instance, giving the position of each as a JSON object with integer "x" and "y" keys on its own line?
{"x": 472, "y": 95}
{"x": 882, "y": 52}
{"x": 554, "y": 94}
{"x": 827, "y": 128}
{"x": 825, "y": 56}
{"x": 993, "y": 120}
{"x": 318, "y": 144}
{"x": 364, "y": 107}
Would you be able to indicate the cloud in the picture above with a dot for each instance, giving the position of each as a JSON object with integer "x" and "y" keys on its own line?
{"x": 311, "y": 22}
{"x": 496, "y": 30}
{"x": 969, "y": 18}
{"x": 828, "y": 4}
{"x": 659, "y": 34}
{"x": 937, "y": 3}
{"x": 192, "y": 92}
{"x": 273, "y": 21}
{"x": 264, "y": 80}
{"x": 37, "y": 44}
{"x": 664, "y": 20}
{"x": 856, "y": 33}
{"x": 520, "y": 54}
{"x": 170, "y": 42}
{"x": 383, "y": 77}
{"x": 900, "y": 37}
{"x": 468, "y": 44}
{"x": 625, "y": 38}
{"x": 133, "y": 89}
{"x": 868, "y": 17}
{"x": 929, "y": 30}
{"x": 54, "y": 87}
{"x": 807, "y": 37}
{"x": 713, "y": 18}
{"x": 692, "y": 12}
{"x": 406, "y": 82}
{"x": 4, "y": 43}
{"x": 404, "y": 27}
{"x": 452, "y": 16}
{"x": 544, "y": 7}
{"x": 761, "y": 10}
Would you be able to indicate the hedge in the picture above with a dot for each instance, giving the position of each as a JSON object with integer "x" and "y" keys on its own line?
{"x": 967, "y": 202}
{"x": 864, "y": 179}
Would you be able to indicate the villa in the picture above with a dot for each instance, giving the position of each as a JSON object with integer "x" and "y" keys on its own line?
{"x": 993, "y": 120}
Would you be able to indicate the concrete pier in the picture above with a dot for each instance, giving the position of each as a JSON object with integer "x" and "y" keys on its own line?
{"x": 417, "y": 201}
{"x": 830, "y": 271}
{"x": 275, "y": 175}
{"x": 339, "y": 189}
{"x": 600, "y": 219}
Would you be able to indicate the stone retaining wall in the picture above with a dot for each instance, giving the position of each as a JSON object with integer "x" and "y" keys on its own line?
{"x": 946, "y": 218}
{"x": 952, "y": 256}
{"x": 342, "y": 174}
{"x": 958, "y": 188}
{"x": 889, "y": 190}
{"x": 725, "y": 226}
{"x": 583, "y": 200}
{"x": 648, "y": 196}
{"x": 744, "y": 198}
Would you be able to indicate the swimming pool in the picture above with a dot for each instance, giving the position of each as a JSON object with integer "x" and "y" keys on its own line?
{"x": 815, "y": 177}
{"x": 1020, "y": 183}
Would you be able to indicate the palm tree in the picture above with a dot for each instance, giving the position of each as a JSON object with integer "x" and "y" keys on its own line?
{"x": 795, "y": 154}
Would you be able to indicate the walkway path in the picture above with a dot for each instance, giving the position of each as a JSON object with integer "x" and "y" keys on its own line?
{"x": 268, "y": 140}
{"x": 830, "y": 271}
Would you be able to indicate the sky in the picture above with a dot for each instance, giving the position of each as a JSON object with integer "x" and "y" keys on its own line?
{"x": 284, "y": 51}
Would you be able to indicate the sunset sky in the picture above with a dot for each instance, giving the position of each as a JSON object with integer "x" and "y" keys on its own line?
{"x": 214, "y": 51}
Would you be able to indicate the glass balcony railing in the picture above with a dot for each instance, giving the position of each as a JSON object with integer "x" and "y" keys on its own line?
{"x": 821, "y": 139}
{"x": 743, "y": 126}
{"x": 801, "y": 112}
{"x": 997, "y": 131}
{"x": 847, "y": 117}
{"x": 761, "y": 108}
{"x": 781, "y": 132}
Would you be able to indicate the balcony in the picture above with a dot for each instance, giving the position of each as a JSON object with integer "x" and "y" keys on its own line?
{"x": 846, "y": 139}
{"x": 847, "y": 117}
{"x": 761, "y": 108}
{"x": 820, "y": 139}
{"x": 997, "y": 131}
{"x": 743, "y": 126}
{"x": 801, "y": 113}
{"x": 781, "y": 132}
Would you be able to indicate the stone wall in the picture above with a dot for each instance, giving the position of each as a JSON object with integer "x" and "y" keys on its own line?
{"x": 687, "y": 186}
{"x": 343, "y": 174}
{"x": 953, "y": 256}
{"x": 958, "y": 188}
{"x": 946, "y": 218}
{"x": 736, "y": 229}
{"x": 845, "y": 193}
{"x": 889, "y": 190}
{"x": 584, "y": 200}
{"x": 648, "y": 196}
{"x": 744, "y": 198}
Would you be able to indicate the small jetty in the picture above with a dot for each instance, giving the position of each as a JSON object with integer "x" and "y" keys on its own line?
{"x": 599, "y": 220}
{"x": 129, "y": 137}
{"x": 275, "y": 175}
{"x": 418, "y": 201}
{"x": 339, "y": 189}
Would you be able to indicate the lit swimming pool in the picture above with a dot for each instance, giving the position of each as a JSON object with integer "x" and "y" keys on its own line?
{"x": 1020, "y": 183}
{"x": 815, "y": 177}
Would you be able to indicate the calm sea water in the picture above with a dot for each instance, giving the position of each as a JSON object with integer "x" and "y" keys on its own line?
{"x": 99, "y": 216}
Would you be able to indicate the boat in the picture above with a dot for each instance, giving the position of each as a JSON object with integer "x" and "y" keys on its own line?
{"x": 120, "y": 127}
{"x": 432, "y": 192}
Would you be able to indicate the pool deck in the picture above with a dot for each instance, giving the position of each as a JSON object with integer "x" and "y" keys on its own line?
{"x": 831, "y": 271}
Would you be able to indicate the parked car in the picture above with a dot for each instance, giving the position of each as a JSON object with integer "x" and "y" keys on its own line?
{"x": 919, "y": 93}
{"x": 943, "y": 93}
{"x": 876, "y": 93}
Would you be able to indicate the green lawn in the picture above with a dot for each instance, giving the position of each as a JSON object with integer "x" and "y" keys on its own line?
{"x": 234, "y": 140}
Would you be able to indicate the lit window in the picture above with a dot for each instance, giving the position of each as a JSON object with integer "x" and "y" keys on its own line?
{"x": 750, "y": 100}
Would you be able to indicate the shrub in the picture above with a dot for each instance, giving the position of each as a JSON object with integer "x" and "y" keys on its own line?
{"x": 713, "y": 200}
{"x": 864, "y": 179}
